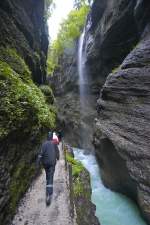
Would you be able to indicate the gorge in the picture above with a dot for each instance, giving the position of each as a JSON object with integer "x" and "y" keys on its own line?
{"x": 101, "y": 86}
{"x": 117, "y": 56}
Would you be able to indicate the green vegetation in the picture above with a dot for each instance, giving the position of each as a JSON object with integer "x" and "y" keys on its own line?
{"x": 19, "y": 183}
{"x": 78, "y": 188}
{"x": 24, "y": 113}
{"x": 77, "y": 167}
{"x": 11, "y": 57}
{"x": 47, "y": 91}
{"x": 78, "y": 172}
{"x": 21, "y": 102}
{"x": 81, "y": 190}
{"x": 70, "y": 30}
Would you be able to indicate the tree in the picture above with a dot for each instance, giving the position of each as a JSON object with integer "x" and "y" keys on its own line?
{"x": 70, "y": 30}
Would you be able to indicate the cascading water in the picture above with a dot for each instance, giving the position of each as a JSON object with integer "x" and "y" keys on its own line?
{"x": 111, "y": 208}
{"x": 83, "y": 81}
{"x": 86, "y": 98}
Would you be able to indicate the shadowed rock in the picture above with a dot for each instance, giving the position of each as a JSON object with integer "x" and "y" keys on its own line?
{"x": 123, "y": 127}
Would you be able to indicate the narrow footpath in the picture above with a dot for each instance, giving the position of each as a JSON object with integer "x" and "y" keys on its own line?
{"x": 33, "y": 209}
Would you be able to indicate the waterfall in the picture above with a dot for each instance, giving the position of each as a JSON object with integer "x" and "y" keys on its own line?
{"x": 83, "y": 91}
{"x": 87, "y": 100}
{"x": 81, "y": 62}
{"x": 83, "y": 80}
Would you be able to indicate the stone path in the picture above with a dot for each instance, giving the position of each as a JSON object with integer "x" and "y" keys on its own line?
{"x": 33, "y": 209}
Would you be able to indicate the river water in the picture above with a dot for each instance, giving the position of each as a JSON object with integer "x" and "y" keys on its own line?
{"x": 111, "y": 208}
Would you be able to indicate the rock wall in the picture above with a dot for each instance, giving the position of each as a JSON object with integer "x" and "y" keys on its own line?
{"x": 118, "y": 41}
{"x": 111, "y": 33}
{"x": 65, "y": 83}
{"x": 23, "y": 27}
{"x": 24, "y": 114}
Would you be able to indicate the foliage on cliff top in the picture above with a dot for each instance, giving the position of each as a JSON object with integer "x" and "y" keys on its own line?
{"x": 70, "y": 30}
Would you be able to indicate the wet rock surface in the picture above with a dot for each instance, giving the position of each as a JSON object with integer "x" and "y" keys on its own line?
{"x": 77, "y": 128}
{"x": 122, "y": 139}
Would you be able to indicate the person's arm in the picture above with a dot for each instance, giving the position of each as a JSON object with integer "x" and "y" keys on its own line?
{"x": 39, "y": 157}
{"x": 57, "y": 152}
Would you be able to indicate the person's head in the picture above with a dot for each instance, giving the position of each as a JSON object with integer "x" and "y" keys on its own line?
{"x": 49, "y": 136}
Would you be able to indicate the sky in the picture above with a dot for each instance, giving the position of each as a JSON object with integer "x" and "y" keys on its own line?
{"x": 63, "y": 7}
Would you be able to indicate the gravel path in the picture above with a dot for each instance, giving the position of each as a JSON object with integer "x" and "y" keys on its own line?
{"x": 33, "y": 209}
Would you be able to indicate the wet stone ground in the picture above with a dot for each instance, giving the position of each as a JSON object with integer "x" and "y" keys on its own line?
{"x": 33, "y": 209}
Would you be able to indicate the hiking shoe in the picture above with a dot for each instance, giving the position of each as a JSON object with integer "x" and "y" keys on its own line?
{"x": 48, "y": 199}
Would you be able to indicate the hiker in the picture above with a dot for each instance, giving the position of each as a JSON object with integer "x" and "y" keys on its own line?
{"x": 49, "y": 154}
{"x": 55, "y": 139}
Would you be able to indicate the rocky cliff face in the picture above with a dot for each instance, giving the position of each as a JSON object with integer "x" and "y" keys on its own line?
{"x": 119, "y": 36}
{"x": 77, "y": 127}
{"x": 65, "y": 86}
{"x": 24, "y": 114}
{"x": 23, "y": 28}
{"x": 110, "y": 35}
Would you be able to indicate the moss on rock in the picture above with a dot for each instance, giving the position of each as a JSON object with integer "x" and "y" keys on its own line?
{"x": 81, "y": 188}
{"x": 77, "y": 167}
{"x": 12, "y": 58}
{"x": 47, "y": 91}
{"x": 24, "y": 116}
{"x": 21, "y": 102}
{"x": 24, "y": 113}
{"x": 19, "y": 183}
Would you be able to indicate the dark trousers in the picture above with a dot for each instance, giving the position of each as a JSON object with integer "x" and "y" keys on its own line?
{"x": 49, "y": 170}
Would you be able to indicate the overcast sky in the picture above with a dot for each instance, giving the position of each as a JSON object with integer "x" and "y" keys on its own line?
{"x": 63, "y": 7}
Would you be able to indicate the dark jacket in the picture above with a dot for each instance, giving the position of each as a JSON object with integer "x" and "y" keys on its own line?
{"x": 49, "y": 153}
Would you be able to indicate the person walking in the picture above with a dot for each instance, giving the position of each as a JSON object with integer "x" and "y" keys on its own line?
{"x": 49, "y": 155}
